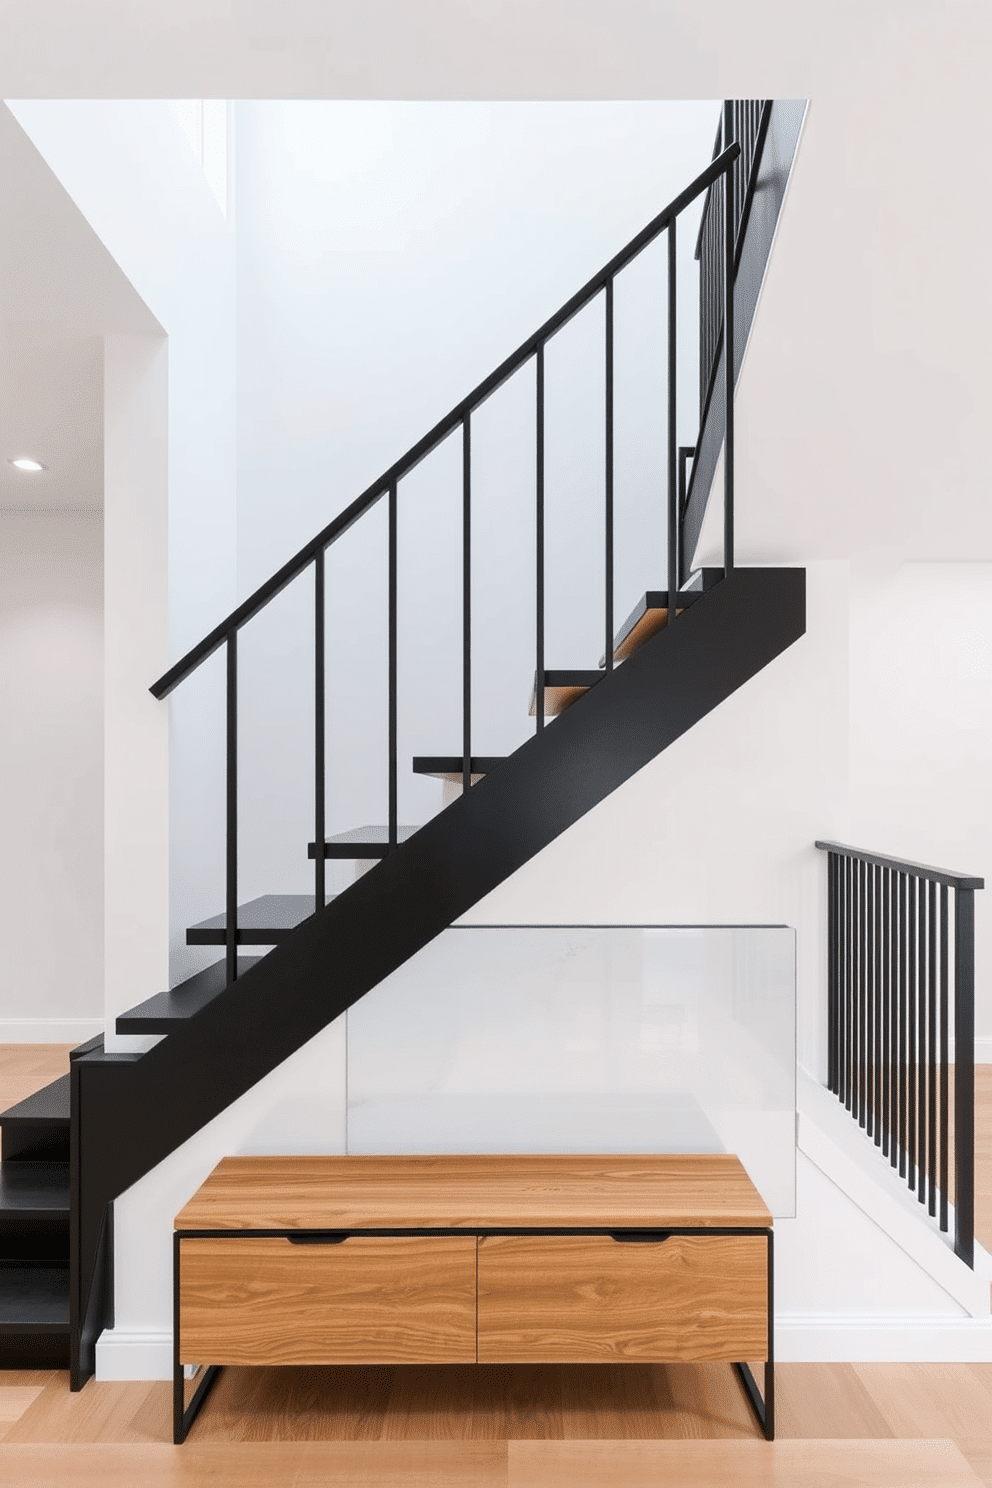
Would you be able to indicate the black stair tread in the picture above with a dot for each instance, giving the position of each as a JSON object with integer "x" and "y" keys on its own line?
{"x": 46, "y": 1107}
{"x": 33, "y": 1298}
{"x": 163, "y": 1012}
{"x": 449, "y": 766}
{"x": 562, "y": 687}
{"x": 28, "y": 1187}
{"x": 650, "y": 614}
{"x": 263, "y": 921}
{"x": 372, "y": 840}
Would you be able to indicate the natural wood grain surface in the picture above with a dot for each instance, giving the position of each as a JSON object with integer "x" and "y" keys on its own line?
{"x": 822, "y": 1464}
{"x": 250, "y": 1465}
{"x": 457, "y": 1192}
{"x": 25, "y": 1068}
{"x": 650, "y": 622}
{"x": 587, "y": 1298}
{"x": 368, "y": 1300}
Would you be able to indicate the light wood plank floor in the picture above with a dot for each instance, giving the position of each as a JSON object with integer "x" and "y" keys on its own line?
{"x": 874, "y": 1425}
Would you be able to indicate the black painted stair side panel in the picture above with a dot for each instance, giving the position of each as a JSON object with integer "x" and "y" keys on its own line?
{"x": 131, "y": 1111}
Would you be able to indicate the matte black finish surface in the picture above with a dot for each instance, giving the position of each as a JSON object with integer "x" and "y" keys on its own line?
{"x": 133, "y": 1110}
{"x": 29, "y": 1188}
{"x": 444, "y": 765}
{"x": 362, "y": 842}
{"x": 46, "y": 1107}
{"x": 947, "y": 876}
{"x": 654, "y": 599}
{"x": 34, "y": 1298}
{"x": 262, "y": 921}
{"x": 161, "y": 1013}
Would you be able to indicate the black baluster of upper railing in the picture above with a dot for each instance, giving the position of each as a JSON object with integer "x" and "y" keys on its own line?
{"x": 319, "y": 736}
{"x": 932, "y": 1049}
{"x": 912, "y": 1036}
{"x": 728, "y": 352}
{"x": 862, "y": 1049}
{"x": 845, "y": 1092}
{"x": 833, "y": 935}
{"x": 466, "y": 603}
{"x": 539, "y": 518}
{"x": 609, "y": 478}
{"x": 923, "y": 1088}
{"x": 231, "y": 887}
{"x": 903, "y": 1120}
{"x": 944, "y": 992}
{"x": 393, "y": 809}
{"x": 964, "y": 1074}
{"x": 885, "y": 1057}
{"x": 871, "y": 984}
{"x": 673, "y": 490}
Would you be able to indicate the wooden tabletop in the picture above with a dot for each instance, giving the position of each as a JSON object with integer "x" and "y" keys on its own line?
{"x": 479, "y": 1192}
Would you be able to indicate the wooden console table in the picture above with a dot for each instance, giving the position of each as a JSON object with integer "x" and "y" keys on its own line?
{"x": 492, "y": 1259}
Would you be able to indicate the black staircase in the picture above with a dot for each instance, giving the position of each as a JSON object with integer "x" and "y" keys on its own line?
{"x": 683, "y": 650}
{"x": 34, "y": 1231}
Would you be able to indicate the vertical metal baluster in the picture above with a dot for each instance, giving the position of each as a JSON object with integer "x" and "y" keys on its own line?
{"x": 885, "y": 1031}
{"x": 609, "y": 476}
{"x": 686, "y": 452}
{"x": 539, "y": 668}
{"x": 944, "y": 1102}
{"x": 870, "y": 1001}
{"x": 393, "y": 806}
{"x": 911, "y": 1034}
{"x": 232, "y": 808}
{"x": 903, "y": 1042}
{"x": 673, "y": 511}
{"x": 850, "y": 983}
{"x": 863, "y": 994}
{"x": 832, "y": 938}
{"x": 320, "y": 823}
{"x": 923, "y": 1091}
{"x": 728, "y": 353}
{"x": 964, "y": 1075}
{"x": 932, "y": 1050}
{"x": 466, "y": 605}
{"x": 876, "y": 1084}
{"x": 892, "y": 1056}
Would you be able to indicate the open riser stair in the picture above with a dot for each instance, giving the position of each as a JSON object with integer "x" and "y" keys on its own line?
{"x": 691, "y": 640}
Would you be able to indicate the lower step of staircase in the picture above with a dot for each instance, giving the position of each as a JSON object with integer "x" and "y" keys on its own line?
{"x": 167, "y": 1011}
{"x": 263, "y": 921}
{"x": 360, "y": 842}
{"x": 34, "y": 1315}
{"x": 450, "y": 766}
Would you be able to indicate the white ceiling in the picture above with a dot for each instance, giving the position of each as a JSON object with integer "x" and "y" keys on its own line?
{"x": 59, "y": 291}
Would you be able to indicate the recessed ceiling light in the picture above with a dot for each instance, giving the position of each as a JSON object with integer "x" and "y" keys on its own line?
{"x": 24, "y": 463}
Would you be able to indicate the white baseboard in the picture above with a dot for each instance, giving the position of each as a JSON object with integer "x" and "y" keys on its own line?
{"x": 799, "y": 1339}
{"x": 123, "y": 1355}
{"x": 983, "y": 1051}
{"x": 871, "y": 1339}
{"x": 49, "y": 1030}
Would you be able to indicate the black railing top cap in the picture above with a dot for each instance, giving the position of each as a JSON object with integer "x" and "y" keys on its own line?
{"x": 901, "y": 865}
{"x": 440, "y": 431}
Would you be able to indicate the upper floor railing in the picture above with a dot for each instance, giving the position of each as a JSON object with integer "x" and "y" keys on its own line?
{"x": 900, "y": 986}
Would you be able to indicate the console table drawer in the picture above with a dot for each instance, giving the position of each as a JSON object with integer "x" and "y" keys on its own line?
{"x": 590, "y": 1298}
{"x": 366, "y": 1299}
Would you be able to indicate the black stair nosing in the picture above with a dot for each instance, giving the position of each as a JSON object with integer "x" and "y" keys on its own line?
{"x": 48, "y": 1106}
{"x": 165, "y": 1011}
{"x": 263, "y": 921}
{"x": 34, "y": 1298}
{"x": 40, "y": 1188}
{"x": 453, "y": 764}
{"x": 371, "y": 842}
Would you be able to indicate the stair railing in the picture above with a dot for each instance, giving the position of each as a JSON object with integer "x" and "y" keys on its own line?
{"x": 459, "y": 421}
{"x": 901, "y": 976}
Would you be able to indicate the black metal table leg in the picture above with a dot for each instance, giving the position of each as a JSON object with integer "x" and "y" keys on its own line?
{"x": 764, "y": 1409}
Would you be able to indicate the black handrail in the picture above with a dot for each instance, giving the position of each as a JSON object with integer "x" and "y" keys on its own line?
{"x": 419, "y": 451}
{"x": 889, "y": 1011}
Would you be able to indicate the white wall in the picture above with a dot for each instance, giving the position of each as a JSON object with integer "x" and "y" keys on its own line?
{"x": 51, "y": 774}
{"x": 129, "y": 170}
